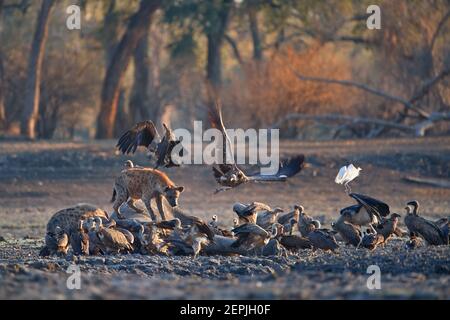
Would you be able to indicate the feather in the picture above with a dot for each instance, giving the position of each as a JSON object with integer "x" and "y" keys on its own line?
{"x": 142, "y": 134}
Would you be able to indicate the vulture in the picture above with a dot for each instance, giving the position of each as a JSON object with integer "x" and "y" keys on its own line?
{"x": 218, "y": 230}
{"x": 273, "y": 248}
{"x": 294, "y": 214}
{"x": 229, "y": 175}
{"x": 414, "y": 242}
{"x": 62, "y": 240}
{"x": 267, "y": 218}
{"x": 427, "y": 229}
{"x": 113, "y": 240}
{"x": 289, "y": 227}
{"x": 350, "y": 233}
{"x": 145, "y": 134}
{"x": 251, "y": 236}
{"x": 372, "y": 240}
{"x": 323, "y": 239}
{"x": 129, "y": 235}
{"x": 295, "y": 242}
{"x": 79, "y": 240}
{"x": 367, "y": 212}
{"x": 389, "y": 226}
{"x": 306, "y": 224}
{"x": 247, "y": 213}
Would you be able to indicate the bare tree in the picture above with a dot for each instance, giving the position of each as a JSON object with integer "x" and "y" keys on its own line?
{"x": 215, "y": 34}
{"x": 140, "y": 95}
{"x": 252, "y": 12}
{"x": 426, "y": 119}
{"x": 32, "y": 90}
{"x": 111, "y": 86}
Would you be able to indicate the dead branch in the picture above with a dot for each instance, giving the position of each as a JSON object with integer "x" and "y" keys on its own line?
{"x": 234, "y": 48}
{"x": 428, "y": 84}
{"x": 441, "y": 183}
{"x": 438, "y": 30}
{"x": 419, "y": 129}
{"x": 341, "y": 117}
{"x": 364, "y": 87}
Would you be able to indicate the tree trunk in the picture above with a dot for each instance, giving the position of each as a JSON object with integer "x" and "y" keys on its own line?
{"x": 215, "y": 36}
{"x": 2, "y": 77}
{"x": 32, "y": 90}
{"x": 139, "y": 103}
{"x": 254, "y": 29}
{"x": 119, "y": 63}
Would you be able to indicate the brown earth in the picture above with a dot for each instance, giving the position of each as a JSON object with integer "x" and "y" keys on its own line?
{"x": 39, "y": 178}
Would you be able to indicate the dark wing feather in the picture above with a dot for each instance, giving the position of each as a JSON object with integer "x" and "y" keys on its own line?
{"x": 288, "y": 168}
{"x": 142, "y": 134}
{"x": 161, "y": 151}
{"x": 355, "y": 208}
{"x": 250, "y": 228}
{"x": 167, "y": 224}
{"x": 377, "y": 207}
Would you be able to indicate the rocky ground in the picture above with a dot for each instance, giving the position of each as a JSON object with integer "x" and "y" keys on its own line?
{"x": 37, "y": 179}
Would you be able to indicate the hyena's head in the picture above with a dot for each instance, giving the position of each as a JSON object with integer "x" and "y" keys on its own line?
{"x": 172, "y": 193}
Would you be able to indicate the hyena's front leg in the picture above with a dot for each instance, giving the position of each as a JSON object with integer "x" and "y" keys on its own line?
{"x": 147, "y": 201}
{"x": 121, "y": 197}
{"x": 165, "y": 215}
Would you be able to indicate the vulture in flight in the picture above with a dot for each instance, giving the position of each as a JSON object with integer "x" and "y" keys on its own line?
{"x": 229, "y": 175}
{"x": 145, "y": 134}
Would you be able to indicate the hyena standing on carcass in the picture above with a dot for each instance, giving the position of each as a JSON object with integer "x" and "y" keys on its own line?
{"x": 146, "y": 184}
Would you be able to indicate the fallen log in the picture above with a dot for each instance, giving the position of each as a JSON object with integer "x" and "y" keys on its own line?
{"x": 441, "y": 183}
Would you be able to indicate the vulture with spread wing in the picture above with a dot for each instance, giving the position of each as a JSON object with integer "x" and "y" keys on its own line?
{"x": 229, "y": 175}
{"x": 367, "y": 212}
{"x": 146, "y": 135}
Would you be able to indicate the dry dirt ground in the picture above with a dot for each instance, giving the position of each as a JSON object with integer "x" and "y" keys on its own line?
{"x": 39, "y": 178}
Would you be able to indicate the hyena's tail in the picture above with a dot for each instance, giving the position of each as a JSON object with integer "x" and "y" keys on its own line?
{"x": 114, "y": 195}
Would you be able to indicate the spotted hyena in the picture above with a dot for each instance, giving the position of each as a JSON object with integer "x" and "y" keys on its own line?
{"x": 145, "y": 184}
{"x": 66, "y": 222}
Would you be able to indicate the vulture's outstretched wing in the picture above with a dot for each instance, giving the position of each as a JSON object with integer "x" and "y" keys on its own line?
{"x": 287, "y": 169}
{"x": 142, "y": 134}
{"x": 374, "y": 206}
{"x": 216, "y": 120}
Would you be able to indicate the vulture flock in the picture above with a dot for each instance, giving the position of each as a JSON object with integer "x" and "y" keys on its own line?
{"x": 258, "y": 229}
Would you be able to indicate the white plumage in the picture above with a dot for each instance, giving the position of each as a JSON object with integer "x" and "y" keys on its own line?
{"x": 347, "y": 174}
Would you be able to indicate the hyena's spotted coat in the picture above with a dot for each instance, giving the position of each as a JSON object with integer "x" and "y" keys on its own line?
{"x": 144, "y": 184}
{"x": 66, "y": 222}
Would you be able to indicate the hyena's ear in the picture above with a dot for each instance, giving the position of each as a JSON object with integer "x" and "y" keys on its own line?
{"x": 180, "y": 189}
